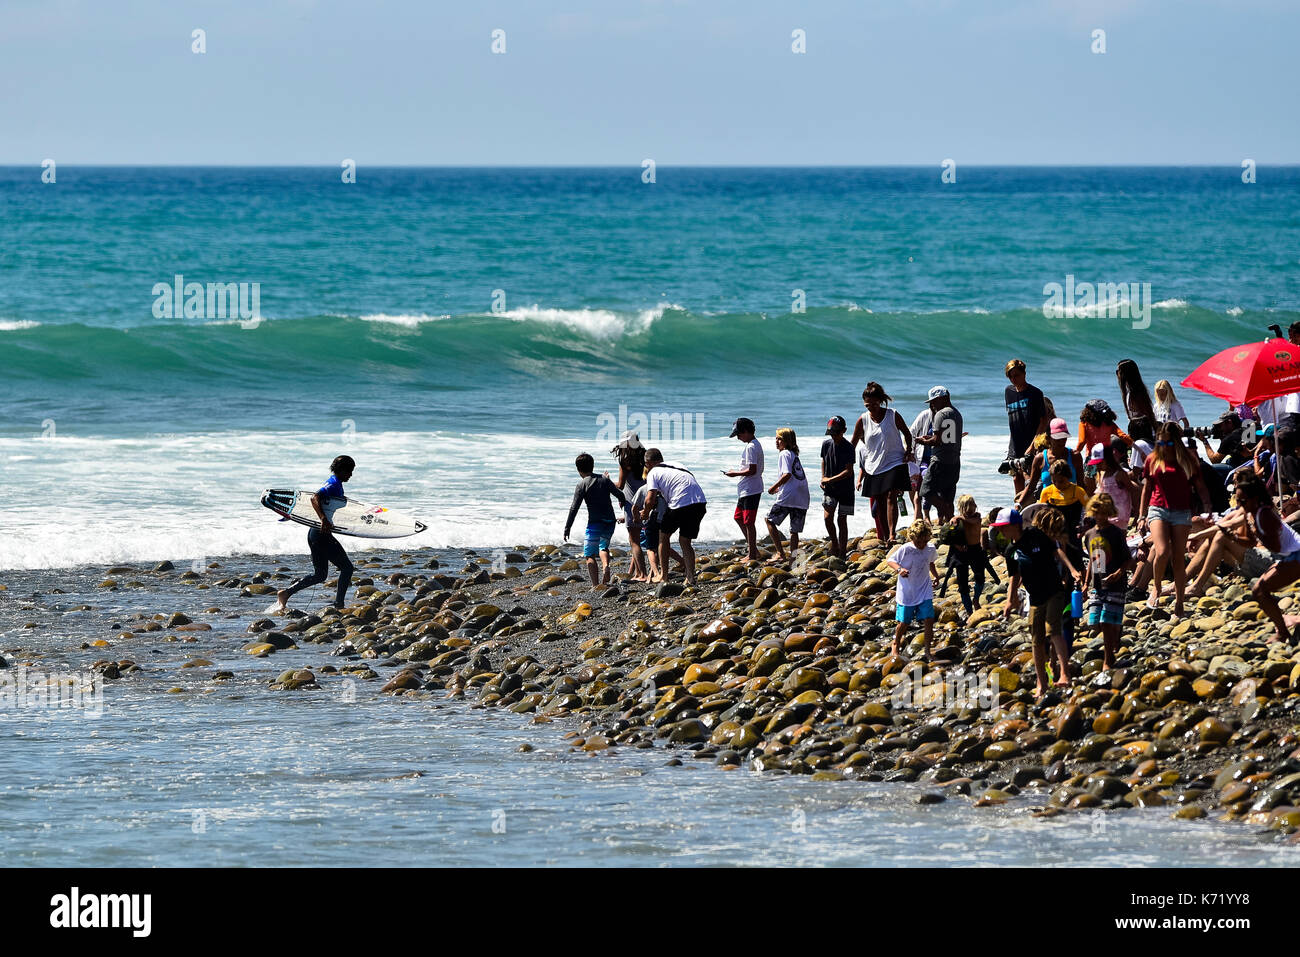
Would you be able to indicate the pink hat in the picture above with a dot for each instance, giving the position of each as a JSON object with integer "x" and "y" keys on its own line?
{"x": 1098, "y": 454}
{"x": 1058, "y": 429}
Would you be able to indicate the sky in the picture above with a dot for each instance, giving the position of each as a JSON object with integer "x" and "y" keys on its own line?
{"x": 683, "y": 82}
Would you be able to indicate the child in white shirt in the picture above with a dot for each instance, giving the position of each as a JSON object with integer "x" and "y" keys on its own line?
{"x": 791, "y": 491}
{"x": 914, "y": 562}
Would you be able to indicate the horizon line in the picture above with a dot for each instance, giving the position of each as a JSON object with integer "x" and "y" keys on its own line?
{"x": 1237, "y": 164}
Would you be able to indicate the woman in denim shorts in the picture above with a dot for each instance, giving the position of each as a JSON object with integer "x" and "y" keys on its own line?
{"x": 1170, "y": 474}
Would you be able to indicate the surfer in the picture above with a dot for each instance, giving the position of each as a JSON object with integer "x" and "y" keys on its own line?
{"x": 325, "y": 548}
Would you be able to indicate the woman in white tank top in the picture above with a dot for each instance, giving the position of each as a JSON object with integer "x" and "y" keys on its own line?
{"x": 884, "y": 445}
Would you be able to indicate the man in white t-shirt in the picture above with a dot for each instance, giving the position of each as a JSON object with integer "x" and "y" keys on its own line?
{"x": 686, "y": 508}
{"x": 750, "y": 487}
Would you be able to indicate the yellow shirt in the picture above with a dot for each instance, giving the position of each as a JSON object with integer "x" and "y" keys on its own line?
{"x": 1061, "y": 497}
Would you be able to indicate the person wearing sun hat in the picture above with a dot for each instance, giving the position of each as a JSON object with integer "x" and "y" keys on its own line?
{"x": 1040, "y": 472}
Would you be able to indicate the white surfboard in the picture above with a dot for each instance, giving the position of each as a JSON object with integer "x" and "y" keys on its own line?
{"x": 346, "y": 515}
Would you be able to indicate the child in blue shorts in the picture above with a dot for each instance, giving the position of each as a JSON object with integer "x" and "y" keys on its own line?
{"x": 1105, "y": 574}
{"x": 650, "y": 532}
{"x": 596, "y": 491}
{"x": 914, "y": 562}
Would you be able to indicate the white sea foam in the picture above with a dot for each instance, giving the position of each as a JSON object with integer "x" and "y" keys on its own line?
{"x": 188, "y": 498}
{"x": 1235, "y": 311}
{"x": 1170, "y": 304}
{"x": 410, "y": 321}
{"x": 597, "y": 323}
{"x": 14, "y": 325}
{"x": 1102, "y": 308}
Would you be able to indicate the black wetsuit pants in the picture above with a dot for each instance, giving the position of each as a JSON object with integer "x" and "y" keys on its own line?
{"x": 326, "y": 550}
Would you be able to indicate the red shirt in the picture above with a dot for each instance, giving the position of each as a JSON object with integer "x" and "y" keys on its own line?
{"x": 1173, "y": 489}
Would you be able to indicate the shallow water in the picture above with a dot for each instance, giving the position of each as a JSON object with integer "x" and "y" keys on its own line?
{"x": 232, "y": 773}
{"x": 307, "y": 779}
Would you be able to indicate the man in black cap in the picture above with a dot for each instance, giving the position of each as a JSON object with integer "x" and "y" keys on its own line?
{"x": 750, "y": 487}
{"x": 837, "y": 484}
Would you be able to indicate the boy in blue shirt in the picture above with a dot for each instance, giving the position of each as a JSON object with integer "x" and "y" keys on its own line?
{"x": 325, "y": 548}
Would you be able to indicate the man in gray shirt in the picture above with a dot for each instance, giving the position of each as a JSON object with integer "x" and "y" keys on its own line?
{"x": 944, "y": 442}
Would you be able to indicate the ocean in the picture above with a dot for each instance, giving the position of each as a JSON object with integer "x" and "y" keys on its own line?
{"x": 464, "y": 333}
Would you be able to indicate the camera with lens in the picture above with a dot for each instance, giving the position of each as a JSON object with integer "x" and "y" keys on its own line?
{"x": 1014, "y": 463}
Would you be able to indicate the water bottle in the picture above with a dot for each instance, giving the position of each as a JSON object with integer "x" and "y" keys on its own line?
{"x": 902, "y": 505}
{"x": 1076, "y": 605}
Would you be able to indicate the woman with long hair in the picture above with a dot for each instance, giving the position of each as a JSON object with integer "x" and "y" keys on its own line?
{"x": 1170, "y": 474}
{"x": 630, "y": 454}
{"x": 1168, "y": 408}
{"x": 882, "y": 458}
{"x": 1282, "y": 543}
{"x": 1133, "y": 391}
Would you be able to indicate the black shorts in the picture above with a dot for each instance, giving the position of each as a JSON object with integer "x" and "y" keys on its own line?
{"x": 881, "y": 484}
{"x": 940, "y": 482}
{"x": 685, "y": 520}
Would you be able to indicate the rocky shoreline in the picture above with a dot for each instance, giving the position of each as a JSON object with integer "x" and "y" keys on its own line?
{"x": 785, "y": 671}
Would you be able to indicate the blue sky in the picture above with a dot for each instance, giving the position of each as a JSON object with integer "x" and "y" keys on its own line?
{"x": 611, "y": 82}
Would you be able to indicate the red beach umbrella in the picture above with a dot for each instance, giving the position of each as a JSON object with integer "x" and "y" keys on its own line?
{"x": 1250, "y": 373}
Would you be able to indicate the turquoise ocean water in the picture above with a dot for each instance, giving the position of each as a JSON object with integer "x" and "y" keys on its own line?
{"x": 463, "y": 334}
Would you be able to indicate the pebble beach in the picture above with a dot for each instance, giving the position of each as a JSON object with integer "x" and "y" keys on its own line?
{"x": 759, "y": 669}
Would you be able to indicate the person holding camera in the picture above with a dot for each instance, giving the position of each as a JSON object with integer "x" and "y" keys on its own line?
{"x": 1027, "y": 419}
{"x": 1232, "y": 452}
